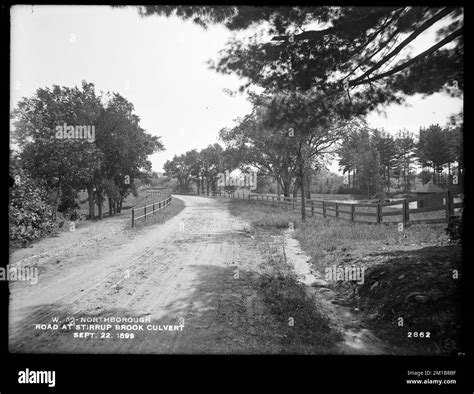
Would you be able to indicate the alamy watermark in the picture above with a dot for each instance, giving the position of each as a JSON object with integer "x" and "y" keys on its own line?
{"x": 37, "y": 377}
{"x": 345, "y": 274}
{"x": 244, "y": 180}
{"x": 78, "y": 132}
{"x": 19, "y": 272}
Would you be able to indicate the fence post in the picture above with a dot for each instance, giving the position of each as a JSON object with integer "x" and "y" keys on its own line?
{"x": 449, "y": 205}
{"x": 337, "y": 210}
{"x": 133, "y": 218}
{"x": 145, "y": 213}
{"x": 159, "y": 205}
{"x": 324, "y": 210}
{"x": 153, "y": 208}
{"x": 312, "y": 208}
{"x": 273, "y": 201}
{"x": 352, "y": 212}
{"x": 405, "y": 213}
{"x": 379, "y": 213}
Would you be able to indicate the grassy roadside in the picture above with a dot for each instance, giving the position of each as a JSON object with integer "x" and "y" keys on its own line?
{"x": 304, "y": 329}
{"x": 407, "y": 275}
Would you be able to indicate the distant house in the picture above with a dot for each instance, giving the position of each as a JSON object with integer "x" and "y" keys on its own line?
{"x": 429, "y": 195}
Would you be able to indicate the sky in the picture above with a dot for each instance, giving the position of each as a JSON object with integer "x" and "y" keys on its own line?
{"x": 160, "y": 65}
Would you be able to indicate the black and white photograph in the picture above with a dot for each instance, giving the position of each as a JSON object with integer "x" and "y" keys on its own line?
{"x": 236, "y": 180}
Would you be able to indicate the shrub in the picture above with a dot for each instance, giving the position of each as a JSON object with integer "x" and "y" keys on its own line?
{"x": 30, "y": 216}
{"x": 454, "y": 229}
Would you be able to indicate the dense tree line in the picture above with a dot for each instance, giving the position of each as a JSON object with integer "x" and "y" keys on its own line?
{"x": 199, "y": 168}
{"x": 105, "y": 166}
{"x": 373, "y": 160}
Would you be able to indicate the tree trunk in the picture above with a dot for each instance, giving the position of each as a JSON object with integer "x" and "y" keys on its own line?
{"x": 388, "y": 178}
{"x": 90, "y": 194}
{"x": 56, "y": 201}
{"x": 100, "y": 202}
{"x": 307, "y": 187}
{"x": 286, "y": 184}
{"x": 408, "y": 181}
{"x": 111, "y": 207}
{"x": 303, "y": 199}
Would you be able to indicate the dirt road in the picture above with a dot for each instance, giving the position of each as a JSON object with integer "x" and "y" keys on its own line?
{"x": 188, "y": 286}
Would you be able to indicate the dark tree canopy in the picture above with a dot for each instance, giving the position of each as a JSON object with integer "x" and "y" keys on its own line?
{"x": 337, "y": 48}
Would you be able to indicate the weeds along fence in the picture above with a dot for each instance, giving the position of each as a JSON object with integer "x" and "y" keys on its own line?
{"x": 149, "y": 209}
{"x": 436, "y": 208}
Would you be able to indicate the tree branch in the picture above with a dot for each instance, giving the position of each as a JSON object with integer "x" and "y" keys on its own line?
{"x": 428, "y": 52}
{"x": 388, "y": 21}
{"x": 409, "y": 39}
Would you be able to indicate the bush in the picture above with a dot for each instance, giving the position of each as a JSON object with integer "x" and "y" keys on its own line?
{"x": 68, "y": 202}
{"x": 30, "y": 216}
{"x": 454, "y": 229}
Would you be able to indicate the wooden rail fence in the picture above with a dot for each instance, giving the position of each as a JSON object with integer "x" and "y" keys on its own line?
{"x": 155, "y": 207}
{"x": 398, "y": 211}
